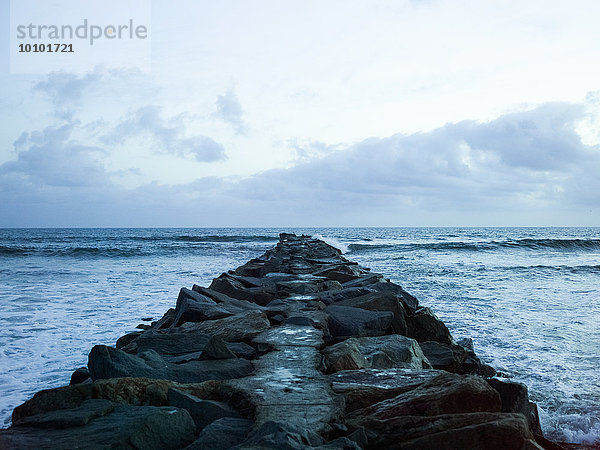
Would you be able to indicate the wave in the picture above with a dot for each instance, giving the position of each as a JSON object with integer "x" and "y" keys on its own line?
{"x": 533, "y": 244}
{"x": 225, "y": 238}
{"x": 73, "y": 252}
{"x": 545, "y": 268}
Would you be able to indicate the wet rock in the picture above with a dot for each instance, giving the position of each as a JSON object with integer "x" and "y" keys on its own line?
{"x": 341, "y": 273}
{"x": 343, "y": 356}
{"x": 280, "y": 435}
{"x": 335, "y": 296}
{"x": 374, "y": 352}
{"x": 203, "y": 412}
{"x": 107, "y": 362}
{"x": 134, "y": 391}
{"x": 454, "y": 358}
{"x": 342, "y": 443}
{"x": 348, "y": 321}
{"x": 216, "y": 349}
{"x": 232, "y": 304}
{"x": 127, "y": 426}
{"x": 124, "y": 341}
{"x": 362, "y": 388}
{"x": 222, "y": 434}
{"x": 380, "y": 301}
{"x": 288, "y": 387}
{"x": 171, "y": 343}
{"x": 195, "y": 307}
{"x": 253, "y": 268}
{"x": 515, "y": 399}
{"x": 387, "y": 352}
{"x": 80, "y": 375}
{"x": 410, "y": 303}
{"x": 425, "y": 326}
{"x": 66, "y": 418}
{"x": 239, "y": 327}
{"x": 165, "y": 321}
{"x": 481, "y": 430}
{"x": 233, "y": 287}
{"x": 445, "y": 394}
{"x": 363, "y": 281}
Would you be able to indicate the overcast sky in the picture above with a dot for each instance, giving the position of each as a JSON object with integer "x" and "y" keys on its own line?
{"x": 317, "y": 113}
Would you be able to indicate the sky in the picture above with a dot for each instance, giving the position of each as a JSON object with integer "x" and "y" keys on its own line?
{"x": 313, "y": 113}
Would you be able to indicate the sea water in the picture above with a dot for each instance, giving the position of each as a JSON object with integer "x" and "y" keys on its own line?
{"x": 528, "y": 297}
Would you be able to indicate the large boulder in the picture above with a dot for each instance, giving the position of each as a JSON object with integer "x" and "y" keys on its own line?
{"x": 244, "y": 327}
{"x": 381, "y": 352}
{"x": 124, "y": 426}
{"x": 203, "y": 412}
{"x": 134, "y": 391}
{"x": 465, "y": 431}
{"x": 348, "y": 321}
{"x": 380, "y": 301}
{"x": 222, "y": 434}
{"x": 235, "y": 288}
{"x": 515, "y": 399}
{"x": 194, "y": 307}
{"x": 454, "y": 358}
{"x": 107, "y": 362}
{"x": 282, "y": 436}
{"x": 362, "y": 388}
{"x": 343, "y": 356}
{"x": 425, "y": 326}
{"x": 445, "y": 394}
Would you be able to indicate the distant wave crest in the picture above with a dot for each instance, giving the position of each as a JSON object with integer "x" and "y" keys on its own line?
{"x": 564, "y": 244}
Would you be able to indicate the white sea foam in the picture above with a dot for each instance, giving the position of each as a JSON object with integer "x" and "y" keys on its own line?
{"x": 333, "y": 242}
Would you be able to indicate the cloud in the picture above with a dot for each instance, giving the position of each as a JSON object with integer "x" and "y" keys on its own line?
{"x": 526, "y": 168}
{"x": 524, "y": 160}
{"x": 49, "y": 158}
{"x": 66, "y": 90}
{"x": 230, "y": 111}
{"x": 168, "y": 135}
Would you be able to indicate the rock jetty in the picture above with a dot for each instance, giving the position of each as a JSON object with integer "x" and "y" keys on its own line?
{"x": 299, "y": 348}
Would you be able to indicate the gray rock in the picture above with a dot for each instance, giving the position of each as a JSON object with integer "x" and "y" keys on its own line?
{"x": 80, "y": 375}
{"x": 348, "y": 321}
{"x": 468, "y": 431}
{"x": 515, "y": 399}
{"x": 239, "y": 327}
{"x": 107, "y": 362}
{"x": 445, "y": 394}
{"x": 222, "y": 434}
{"x": 383, "y": 352}
{"x": 425, "y": 326}
{"x": 66, "y": 418}
{"x": 455, "y": 358}
{"x": 216, "y": 349}
{"x": 343, "y": 356}
{"x": 125, "y": 340}
{"x": 393, "y": 351}
{"x": 282, "y": 436}
{"x": 380, "y": 301}
{"x": 195, "y": 307}
{"x": 203, "y": 412}
{"x": 146, "y": 427}
{"x": 362, "y": 388}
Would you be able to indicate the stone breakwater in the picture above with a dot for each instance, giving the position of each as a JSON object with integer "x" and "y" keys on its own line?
{"x": 299, "y": 348}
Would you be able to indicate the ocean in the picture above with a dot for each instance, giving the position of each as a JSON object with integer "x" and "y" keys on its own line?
{"x": 528, "y": 297}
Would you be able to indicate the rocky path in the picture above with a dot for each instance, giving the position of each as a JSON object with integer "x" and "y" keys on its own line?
{"x": 299, "y": 348}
